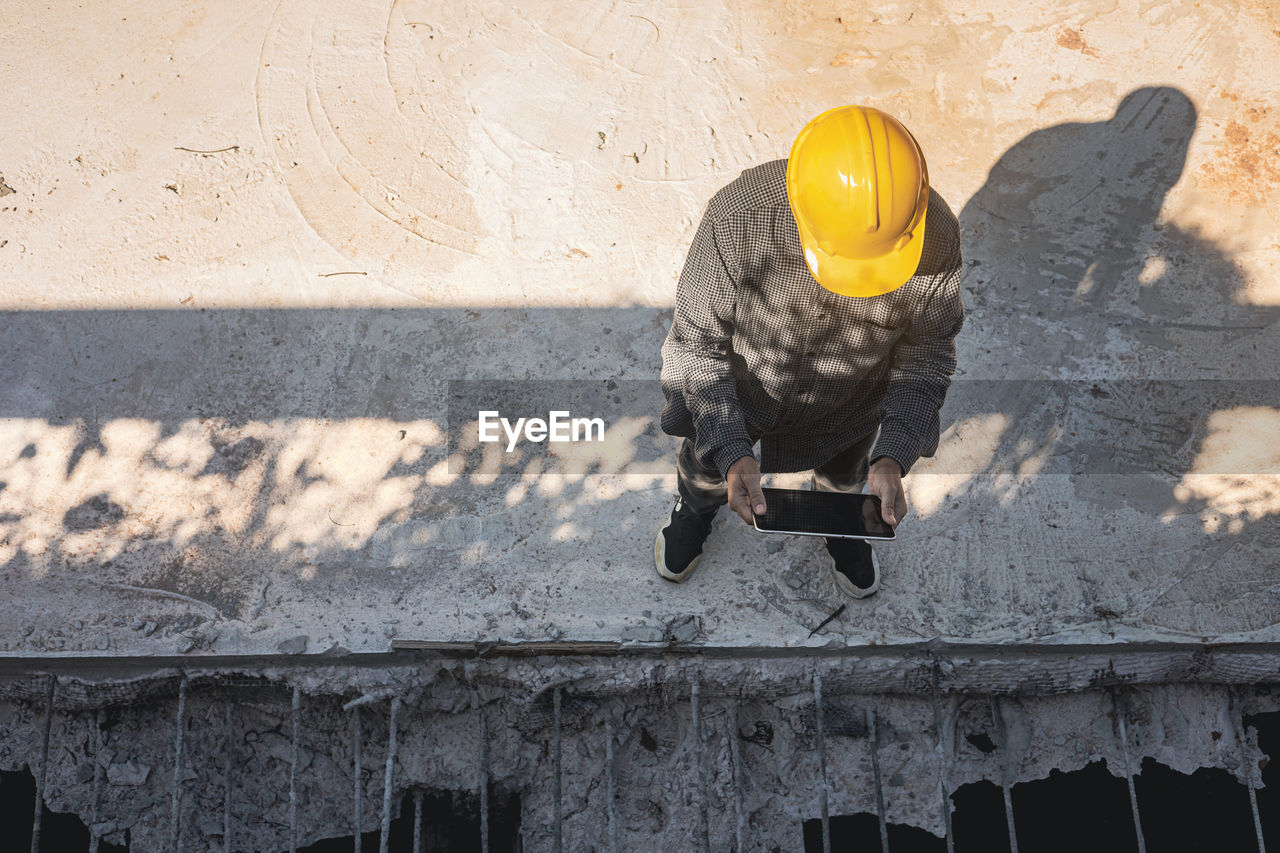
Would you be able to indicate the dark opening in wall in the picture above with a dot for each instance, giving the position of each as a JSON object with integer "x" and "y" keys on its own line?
{"x": 1089, "y": 809}
{"x": 59, "y": 831}
{"x": 450, "y": 824}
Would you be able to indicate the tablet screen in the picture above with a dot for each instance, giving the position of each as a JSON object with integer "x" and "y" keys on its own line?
{"x": 823, "y": 514}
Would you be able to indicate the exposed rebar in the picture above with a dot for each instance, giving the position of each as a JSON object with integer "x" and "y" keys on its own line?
{"x": 175, "y": 814}
{"x": 417, "y": 822}
{"x": 557, "y": 816}
{"x": 1237, "y": 723}
{"x": 874, "y": 731}
{"x": 946, "y": 754}
{"x": 483, "y": 782}
{"x": 42, "y": 771}
{"x": 356, "y": 736}
{"x": 739, "y": 782}
{"x": 228, "y": 741}
{"x": 997, "y": 721}
{"x": 99, "y": 773}
{"x": 385, "y": 836}
{"x": 823, "y": 799}
{"x": 610, "y": 788}
{"x": 1122, "y": 733}
{"x": 296, "y": 709}
{"x": 704, "y": 823}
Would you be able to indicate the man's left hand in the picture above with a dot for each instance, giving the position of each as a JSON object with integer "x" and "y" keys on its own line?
{"x": 885, "y": 481}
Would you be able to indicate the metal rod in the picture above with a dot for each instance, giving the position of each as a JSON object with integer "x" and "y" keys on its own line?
{"x": 946, "y": 753}
{"x": 175, "y": 814}
{"x": 356, "y": 736}
{"x": 99, "y": 772}
{"x": 228, "y": 741}
{"x": 998, "y": 722}
{"x": 739, "y": 783}
{"x": 42, "y": 771}
{"x": 293, "y": 768}
{"x": 704, "y": 823}
{"x": 417, "y": 822}
{"x": 610, "y": 788}
{"x": 874, "y": 729}
{"x": 823, "y": 804}
{"x": 1122, "y": 732}
{"x": 1248, "y": 766}
{"x": 385, "y": 836}
{"x": 558, "y": 816}
{"x": 483, "y": 783}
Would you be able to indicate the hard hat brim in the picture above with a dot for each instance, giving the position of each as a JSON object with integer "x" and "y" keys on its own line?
{"x": 864, "y": 276}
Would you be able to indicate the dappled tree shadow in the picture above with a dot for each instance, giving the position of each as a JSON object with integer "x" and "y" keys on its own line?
{"x": 209, "y": 459}
{"x": 215, "y": 461}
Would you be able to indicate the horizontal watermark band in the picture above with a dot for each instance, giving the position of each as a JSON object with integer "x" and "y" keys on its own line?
{"x": 989, "y": 426}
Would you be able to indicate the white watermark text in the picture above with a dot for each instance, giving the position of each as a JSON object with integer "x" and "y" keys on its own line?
{"x": 559, "y": 426}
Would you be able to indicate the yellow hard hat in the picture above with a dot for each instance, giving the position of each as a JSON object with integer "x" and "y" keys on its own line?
{"x": 859, "y": 190}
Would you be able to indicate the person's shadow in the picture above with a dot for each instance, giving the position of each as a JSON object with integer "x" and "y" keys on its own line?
{"x": 1082, "y": 276}
{"x": 1128, "y": 330}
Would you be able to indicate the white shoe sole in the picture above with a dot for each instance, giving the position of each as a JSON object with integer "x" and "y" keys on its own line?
{"x": 660, "y": 554}
{"x": 847, "y": 585}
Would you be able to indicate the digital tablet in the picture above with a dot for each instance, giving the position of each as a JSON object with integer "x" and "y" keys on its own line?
{"x": 836, "y": 514}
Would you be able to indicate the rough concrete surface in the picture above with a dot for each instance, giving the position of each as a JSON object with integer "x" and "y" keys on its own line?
{"x": 635, "y": 761}
{"x": 238, "y": 390}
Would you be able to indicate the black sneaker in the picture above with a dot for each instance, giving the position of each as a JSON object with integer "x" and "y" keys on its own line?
{"x": 856, "y": 568}
{"x": 679, "y": 544}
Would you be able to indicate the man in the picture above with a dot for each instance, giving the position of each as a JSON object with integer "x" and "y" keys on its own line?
{"x": 818, "y": 305}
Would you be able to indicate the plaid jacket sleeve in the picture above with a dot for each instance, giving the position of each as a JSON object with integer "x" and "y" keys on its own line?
{"x": 923, "y": 360}
{"x": 701, "y": 342}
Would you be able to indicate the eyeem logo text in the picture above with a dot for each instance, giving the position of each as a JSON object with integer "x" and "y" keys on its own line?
{"x": 558, "y": 426}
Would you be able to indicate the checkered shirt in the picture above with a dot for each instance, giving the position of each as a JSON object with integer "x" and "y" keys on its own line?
{"x": 758, "y": 348}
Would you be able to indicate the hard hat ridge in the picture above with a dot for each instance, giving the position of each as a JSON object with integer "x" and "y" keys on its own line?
{"x": 859, "y": 190}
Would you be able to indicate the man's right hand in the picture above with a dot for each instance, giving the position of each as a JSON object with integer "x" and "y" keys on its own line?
{"x": 744, "y": 488}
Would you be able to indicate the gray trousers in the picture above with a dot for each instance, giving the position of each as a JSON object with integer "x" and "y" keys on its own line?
{"x": 703, "y": 489}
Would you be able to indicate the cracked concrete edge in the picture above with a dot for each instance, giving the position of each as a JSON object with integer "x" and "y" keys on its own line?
{"x": 522, "y": 674}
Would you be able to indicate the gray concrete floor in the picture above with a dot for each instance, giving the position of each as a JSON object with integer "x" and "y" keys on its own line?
{"x": 238, "y": 391}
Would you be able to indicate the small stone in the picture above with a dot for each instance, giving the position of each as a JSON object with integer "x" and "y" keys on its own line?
{"x": 103, "y": 644}
{"x": 137, "y": 624}
{"x": 79, "y": 625}
{"x": 389, "y": 631}
{"x": 795, "y": 581}
{"x": 293, "y": 646}
{"x": 185, "y": 645}
{"x": 128, "y": 773}
{"x": 686, "y": 632}
{"x": 149, "y": 628}
{"x": 775, "y": 546}
{"x": 26, "y": 632}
